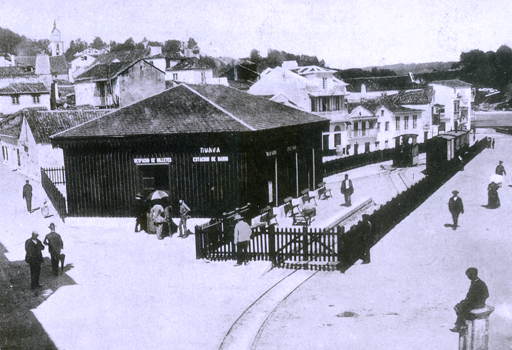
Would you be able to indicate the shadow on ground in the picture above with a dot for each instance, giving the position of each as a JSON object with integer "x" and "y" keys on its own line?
{"x": 19, "y": 328}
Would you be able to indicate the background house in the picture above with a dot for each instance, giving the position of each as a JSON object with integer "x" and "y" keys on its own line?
{"x": 453, "y": 100}
{"x": 191, "y": 71}
{"x": 17, "y": 96}
{"x": 118, "y": 84}
{"x": 312, "y": 89}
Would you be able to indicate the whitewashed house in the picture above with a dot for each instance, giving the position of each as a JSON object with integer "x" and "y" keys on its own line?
{"x": 452, "y": 104}
{"x": 17, "y": 96}
{"x": 190, "y": 71}
{"x": 312, "y": 89}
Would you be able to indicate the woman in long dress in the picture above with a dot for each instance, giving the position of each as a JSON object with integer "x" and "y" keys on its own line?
{"x": 493, "y": 201}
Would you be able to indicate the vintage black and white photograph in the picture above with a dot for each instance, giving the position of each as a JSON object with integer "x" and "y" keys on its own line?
{"x": 255, "y": 175}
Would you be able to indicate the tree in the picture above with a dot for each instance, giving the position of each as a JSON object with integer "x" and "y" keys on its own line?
{"x": 98, "y": 44}
{"x": 255, "y": 56}
{"x": 192, "y": 44}
{"x": 172, "y": 47}
{"x": 75, "y": 46}
{"x": 8, "y": 41}
{"x": 29, "y": 47}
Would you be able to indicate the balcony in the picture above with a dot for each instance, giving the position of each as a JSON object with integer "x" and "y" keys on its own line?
{"x": 357, "y": 134}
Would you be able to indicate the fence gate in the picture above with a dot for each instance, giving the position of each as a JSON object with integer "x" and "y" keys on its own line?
{"x": 49, "y": 179}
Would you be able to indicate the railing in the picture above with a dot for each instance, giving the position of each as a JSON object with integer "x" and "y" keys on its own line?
{"x": 57, "y": 199}
{"x": 363, "y": 133}
{"x": 56, "y": 175}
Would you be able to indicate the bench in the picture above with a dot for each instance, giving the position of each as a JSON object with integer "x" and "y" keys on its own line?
{"x": 289, "y": 206}
{"x": 306, "y": 198}
{"x": 323, "y": 192}
{"x": 267, "y": 216}
{"x": 303, "y": 217}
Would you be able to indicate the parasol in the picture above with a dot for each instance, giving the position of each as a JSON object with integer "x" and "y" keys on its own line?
{"x": 158, "y": 194}
{"x": 496, "y": 178}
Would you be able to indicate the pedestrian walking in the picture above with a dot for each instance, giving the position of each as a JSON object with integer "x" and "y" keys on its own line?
{"x": 500, "y": 169}
{"x": 493, "y": 141}
{"x": 157, "y": 219}
{"x": 366, "y": 239}
{"x": 493, "y": 200}
{"x": 347, "y": 190}
{"x": 27, "y": 195}
{"x": 141, "y": 218}
{"x": 475, "y": 299}
{"x": 45, "y": 210}
{"x": 172, "y": 228}
{"x": 184, "y": 210}
{"x": 34, "y": 258}
{"x": 55, "y": 245}
{"x": 456, "y": 207}
{"x": 242, "y": 236}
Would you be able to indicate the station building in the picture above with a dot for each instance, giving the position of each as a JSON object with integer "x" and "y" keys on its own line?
{"x": 216, "y": 147}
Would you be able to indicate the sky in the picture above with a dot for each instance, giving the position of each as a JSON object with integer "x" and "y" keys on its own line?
{"x": 345, "y": 33}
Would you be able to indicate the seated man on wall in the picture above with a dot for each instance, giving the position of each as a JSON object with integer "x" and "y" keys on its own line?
{"x": 475, "y": 299}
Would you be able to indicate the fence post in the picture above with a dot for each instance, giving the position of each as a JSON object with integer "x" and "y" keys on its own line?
{"x": 199, "y": 239}
{"x": 271, "y": 234}
{"x": 305, "y": 243}
{"x": 477, "y": 335}
{"x": 340, "y": 231}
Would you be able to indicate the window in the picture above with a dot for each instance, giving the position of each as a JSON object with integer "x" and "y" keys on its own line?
{"x": 377, "y": 144}
{"x": 337, "y": 103}
{"x": 406, "y": 122}
{"x": 35, "y": 98}
{"x": 15, "y": 100}
{"x": 456, "y": 105}
{"x": 386, "y": 144}
{"x": 386, "y": 128}
{"x": 324, "y": 83}
{"x": 378, "y": 126}
{"x": 414, "y": 121}
{"x": 174, "y": 76}
{"x": 203, "y": 77}
{"x": 356, "y": 126}
{"x": 84, "y": 58}
{"x": 370, "y": 124}
{"x": 337, "y": 139}
{"x": 325, "y": 104}
{"x": 313, "y": 105}
{"x": 381, "y": 112}
{"x": 397, "y": 123}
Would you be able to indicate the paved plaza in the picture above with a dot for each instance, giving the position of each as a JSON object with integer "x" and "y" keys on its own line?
{"x": 127, "y": 290}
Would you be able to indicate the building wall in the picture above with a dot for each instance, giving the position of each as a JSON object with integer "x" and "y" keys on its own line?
{"x": 10, "y": 151}
{"x": 446, "y": 96}
{"x": 212, "y": 173}
{"x": 139, "y": 82}
{"x": 25, "y": 101}
{"x": 32, "y": 78}
{"x": 192, "y": 76}
{"x": 87, "y": 94}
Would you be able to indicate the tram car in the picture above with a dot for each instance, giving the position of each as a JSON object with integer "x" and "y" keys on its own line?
{"x": 444, "y": 150}
{"x": 406, "y": 151}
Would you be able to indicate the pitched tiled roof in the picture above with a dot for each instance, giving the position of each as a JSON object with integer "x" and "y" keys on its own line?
{"x": 6, "y": 72}
{"x": 43, "y": 124}
{"x": 59, "y": 65}
{"x": 415, "y": 97}
{"x": 101, "y": 72}
{"x": 121, "y": 56}
{"x": 381, "y": 84}
{"x": 454, "y": 83}
{"x": 386, "y": 101}
{"x": 24, "y": 88}
{"x": 11, "y": 125}
{"x": 194, "y": 109}
{"x": 25, "y": 61}
{"x": 189, "y": 64}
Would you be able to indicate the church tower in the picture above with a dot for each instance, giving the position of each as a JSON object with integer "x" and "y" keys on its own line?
{"x": 56, "y": 43}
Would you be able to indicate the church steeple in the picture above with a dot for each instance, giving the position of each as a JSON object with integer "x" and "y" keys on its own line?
{"x": 56, "y": 43}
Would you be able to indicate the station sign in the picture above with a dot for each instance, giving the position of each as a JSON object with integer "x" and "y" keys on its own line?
{"x": 152, "y": 160}
{"x": 210, "y": 159}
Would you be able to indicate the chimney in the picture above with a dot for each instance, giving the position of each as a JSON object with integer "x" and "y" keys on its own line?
{"x": 43, "y": 64}
{"x": 363, "y": 90}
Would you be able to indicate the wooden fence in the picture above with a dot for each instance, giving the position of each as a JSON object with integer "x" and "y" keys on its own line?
{"x": 48, "y": 176}
{"x": 340, "y": 165}
{"x": 298, "y": 246}
{"x": 284, "y": 247}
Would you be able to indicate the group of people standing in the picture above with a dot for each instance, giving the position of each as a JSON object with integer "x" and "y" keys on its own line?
{"x": 493, "y": 200}
{"x": 157, "y": 217}
{"x": 34, "y": 255}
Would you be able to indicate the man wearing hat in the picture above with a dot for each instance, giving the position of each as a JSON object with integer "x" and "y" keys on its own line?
{"x": 27, "y": 195}
{"x": 184, "y": 210}
{"x": 55, "y": 245}
{"x": 456, "y": 207}
{"x": 242, "y": 236}
{"x": 34, "y": 258}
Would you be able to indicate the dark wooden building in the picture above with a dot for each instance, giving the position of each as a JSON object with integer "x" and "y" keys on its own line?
{"x": 213, "y": 146}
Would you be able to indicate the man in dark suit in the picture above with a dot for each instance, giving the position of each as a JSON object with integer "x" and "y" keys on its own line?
{"x": 27, "y": 195}
{"x": 55, "y": 245}
{"x": 34, "y": 258}
{"x": 456, "y": 207}
{"x": 347, "y": 190}
{"x": 475, "y": 299}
